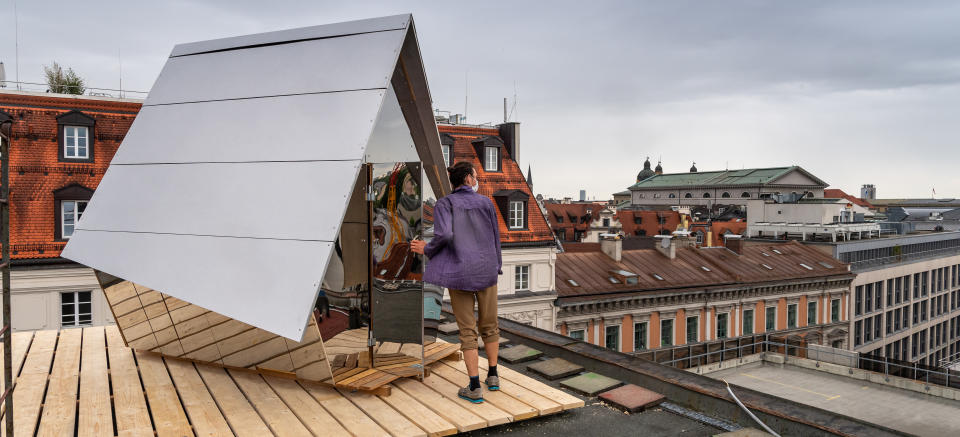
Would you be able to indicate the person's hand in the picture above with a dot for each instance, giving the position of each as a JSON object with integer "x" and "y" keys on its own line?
{"x": 416, "y": 246}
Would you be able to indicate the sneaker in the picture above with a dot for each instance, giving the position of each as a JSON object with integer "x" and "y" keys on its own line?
{"x": 492, "y": 382}
{"x": 475, "y": 396}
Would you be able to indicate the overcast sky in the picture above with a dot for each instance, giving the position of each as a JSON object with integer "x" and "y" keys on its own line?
{"x": 855, "y": 92}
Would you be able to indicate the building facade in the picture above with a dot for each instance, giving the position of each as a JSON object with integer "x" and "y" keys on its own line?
{"x": 724, "y": 187}
{"x": 906, "y": 296}
{"x": 676, "y": 294}
{"x": 60, "y": 148}
{"x": 527, "y": 286}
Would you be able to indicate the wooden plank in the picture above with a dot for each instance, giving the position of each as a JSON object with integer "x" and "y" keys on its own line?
{"x": 381, "y": 412}
{"x": 566, "y": 400}
{"x": 307, "y": 409}
{"x": 197, "y": 401}
{"x": 21, "y": 343}
{"x": 240, "y": 415}
{"x": 129, "y": 403}
{"x": 60, "y": 403}
{"x": 28, "y": 393}
{"x": 388, "y": 348}
{"x": 464, "y": 420}
{"x": 275, "y": 413}
{"x": 503, "y": 401}
{"x": 416, "y": 412}
{"x": 165, "y": 408}
{"x": 96, "y": 412}
{"x": 486, "y": 410}
{"x": 521, "y": 393}
{"x": 352, "y": 418}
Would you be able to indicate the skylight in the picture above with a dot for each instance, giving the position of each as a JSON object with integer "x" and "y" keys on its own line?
{"x": 777, "y": 252}
{"x": 573, "y": 283}
{"x": 658, "y": 277}
{"x": 767, "y": 267}
{"x": 827, "y": 265}
{"x": 806, "y": 266}
{"x": 764, "y": 254}
{"x": 613, "y": 280}
{"x": 705, "y": 268}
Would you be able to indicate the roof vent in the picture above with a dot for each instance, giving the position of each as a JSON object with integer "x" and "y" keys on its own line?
{"x": 573, "y": 283}
{"x": 706, "y": 269}
{"x": 764, "y": 254}
{"x": 777, "y": 252}
{"x": 767, "y": 267}
{"x": 806, "y": 266}
{"x": 658, "y": 277}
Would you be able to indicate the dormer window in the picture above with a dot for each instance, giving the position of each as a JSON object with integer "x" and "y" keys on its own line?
{"x": 513, "y": 208}
{"x": 489, "y": 150}
{"x": 69, "y": 204}
{"x": 517, "y": 214}
{"x": 75, "y": 142}
{"x": 75, "y": 137}
{"x": 446, "y": 154}
{"x": 446, "y": 146}
{"x": 491, "y": 159}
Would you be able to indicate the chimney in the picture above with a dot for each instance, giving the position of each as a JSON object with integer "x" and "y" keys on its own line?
{"x": 510, "y": 134}
{"x": 734, "y": 242}
{"x": 666, "y": 246}
{"x": 612, "y": 245}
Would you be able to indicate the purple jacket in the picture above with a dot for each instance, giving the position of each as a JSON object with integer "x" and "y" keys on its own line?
{"x": 465, "y": 250}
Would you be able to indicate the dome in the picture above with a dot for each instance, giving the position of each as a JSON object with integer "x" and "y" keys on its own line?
{"x": 658, "y": 169}
{"x": 646, "y": 172}
{"x": 693, "y": 168}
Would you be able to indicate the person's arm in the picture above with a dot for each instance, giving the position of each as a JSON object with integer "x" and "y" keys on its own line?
{"x": 442, "y": 228}
{"x": 492, "y": 213}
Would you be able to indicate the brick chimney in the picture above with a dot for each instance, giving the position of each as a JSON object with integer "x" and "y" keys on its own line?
{"x": 612, "y": 245}
{"x": 734, "y": 242}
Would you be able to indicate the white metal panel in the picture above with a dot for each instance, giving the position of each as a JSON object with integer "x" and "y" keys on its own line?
{"x": 270, "y": 284}
{"x": 327, "y": 126}
{"x": 282, "y": 200}
{"x": 391, "y": 140}
{"x": 323, "y": 31}
{"x": 352, "y": 62}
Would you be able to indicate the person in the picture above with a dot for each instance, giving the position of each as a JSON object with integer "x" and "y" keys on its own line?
{"x": 465, "y": 258}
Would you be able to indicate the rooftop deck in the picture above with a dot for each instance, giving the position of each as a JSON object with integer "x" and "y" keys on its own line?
{"x": 87, "y": 382}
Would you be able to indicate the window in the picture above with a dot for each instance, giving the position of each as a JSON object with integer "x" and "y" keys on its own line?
{"x": 666, "y": 333}
{"x": 889, "y": 322}
{"x": 706, "y": 195}
{"x": 699, "y": 237}
{"x": 606, "y": 222}
{"x": 637, "y": 220}
{"x": 889, "y": 291}
{"x": 521, "y": 277}
{"x": 492, "y": 159}
{"x": 792, "y": 316}
{"x": 725, "y": 195}
{"x": 835, "y": 310}
{"x": 688, "y": 196}
{"x": 812, "y": 313}
{"x": 446, "y": 154}
{"x": 877, "y": 328}
{"x": 878, "y": 295}
{"x": 70, "y": 212}
{"x": 771, "y": 318}
{"x": 857, "y": 327}
{"x": 867, "y": 329}
{"x": 516, "y": 214}
{"x": 858, "y": 306}
{"x": 868, "y": 298}
{"x": 578, "y": 334}
{"x": 612, "y": 338}
{"x": 722, "y": 324}
{"x": 75, "y": 308}
{"x": 75, "y": 142}
{"x": 896, "y": 319}
{"x": 747, "y": 322}
{"x": 745, "y": 194}
{"x": 639, "y": 336}
{"x": 693, "y": 329}
{"x": 672, "y": 196}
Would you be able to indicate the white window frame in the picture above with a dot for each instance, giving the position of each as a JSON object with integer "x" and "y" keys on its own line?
{"x": 75, "y": 306}
{"x": 491, "y": 158}
{"x": 74, "y": 218}
{"x": 446, "y": 154}
{"x": 521, "y": 277}
{"x": 516, "y": 214}
{"x": 73, "y": 142}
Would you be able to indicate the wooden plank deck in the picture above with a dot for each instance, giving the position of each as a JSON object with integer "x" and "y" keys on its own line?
{"x": 75, "y": 381}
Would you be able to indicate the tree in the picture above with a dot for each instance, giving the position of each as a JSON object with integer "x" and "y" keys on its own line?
{"x": 63, "y": 82}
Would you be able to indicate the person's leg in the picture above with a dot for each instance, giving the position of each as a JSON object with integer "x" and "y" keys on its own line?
{"x": 462, "y": 303}
{"x": 489, "y": 331}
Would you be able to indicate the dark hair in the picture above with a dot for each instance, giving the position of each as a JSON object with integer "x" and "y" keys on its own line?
{"x": 459, "y": 172}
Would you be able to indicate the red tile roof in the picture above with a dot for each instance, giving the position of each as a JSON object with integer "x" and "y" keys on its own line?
{"x": 833, "y": 193}
{"x": 692, "y": 268}
{"x": 35, "y": 169}
{"x": 510, "y": 178}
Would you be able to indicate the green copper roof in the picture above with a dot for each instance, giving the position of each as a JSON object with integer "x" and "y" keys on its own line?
{"x": 747, "y": 176}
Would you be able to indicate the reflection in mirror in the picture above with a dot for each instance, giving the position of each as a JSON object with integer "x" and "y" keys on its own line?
{"x": 397, "y": 309}
{"x": 432, "y": 294}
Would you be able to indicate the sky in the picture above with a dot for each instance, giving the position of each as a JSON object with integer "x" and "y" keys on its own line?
{"x": 855, "y": 92}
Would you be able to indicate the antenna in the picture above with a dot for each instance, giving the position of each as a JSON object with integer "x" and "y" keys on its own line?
{"x": 466, "y": 92}
{"x": 120, "y": 63}
{"x": 514, "y": 107}
{"x": 16, "y": 26}
{"x": 505, "y": 119}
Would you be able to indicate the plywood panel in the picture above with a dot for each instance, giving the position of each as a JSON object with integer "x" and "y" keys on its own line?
{"x": 130, "y": 405}
{"x": 60, "y": 403}
{"x": 96, "y": 415}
